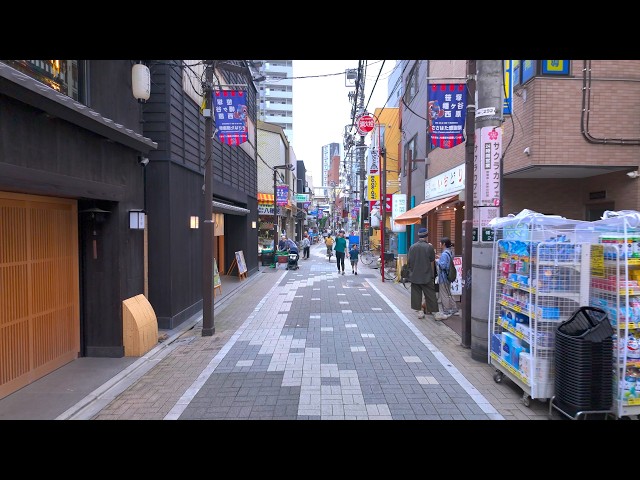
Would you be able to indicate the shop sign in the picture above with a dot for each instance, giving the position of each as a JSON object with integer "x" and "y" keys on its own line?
{"x": 265, "y": 209}
{"x": 374, "y": 186}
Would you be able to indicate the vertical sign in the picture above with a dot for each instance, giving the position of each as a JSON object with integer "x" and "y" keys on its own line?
{"x": 398, "y": 207}
{"x": 283, "y": 195}
{"x": 374, "y": 186}
{"x": 231, "y": 116}
{"x": 446, "y": 112}
{"x": 507, "y": 106}
{"x": 326, "y": 164}
{"x": 475, "y": 184}
{"x": 456, "y": 285}
{"x": 374, "y": 160}
{"x": 489, "y": 181}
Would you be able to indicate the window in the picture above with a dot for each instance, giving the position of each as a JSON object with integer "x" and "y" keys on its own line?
{"x": 64, "y": 76}
{"x": 411, "y": 89}
{"x": 526, "y": 70}
{"x": 410, "y": 151}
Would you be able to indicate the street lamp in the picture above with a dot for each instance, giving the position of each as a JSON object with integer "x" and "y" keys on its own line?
{"x": 288, "y": 166}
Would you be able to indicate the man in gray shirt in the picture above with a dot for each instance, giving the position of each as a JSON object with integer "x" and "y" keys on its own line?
{"x": 420, "y": 261}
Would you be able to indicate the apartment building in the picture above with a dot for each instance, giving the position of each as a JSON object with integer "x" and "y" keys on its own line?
{"x": 569, "y": 140}
{"x": 275, "y": 92}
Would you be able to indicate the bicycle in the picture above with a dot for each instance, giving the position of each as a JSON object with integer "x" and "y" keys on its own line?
{"x": 329, "y": 252}
{"x": 368, "y": 255}
{"x": 390, "y": 266}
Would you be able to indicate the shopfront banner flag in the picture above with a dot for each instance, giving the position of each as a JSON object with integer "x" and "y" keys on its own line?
{"x": 231, "y": 116}
{"x": 446, "y": 112}
{"x": 282, "y": 200}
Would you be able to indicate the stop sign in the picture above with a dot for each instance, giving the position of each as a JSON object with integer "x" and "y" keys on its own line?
{"x": 365, "y": 124}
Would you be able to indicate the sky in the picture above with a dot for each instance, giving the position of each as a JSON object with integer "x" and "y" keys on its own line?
{"x": 321, "y": 106}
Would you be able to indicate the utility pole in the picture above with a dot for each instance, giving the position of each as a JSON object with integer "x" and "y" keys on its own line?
{"x": 409, "y": 166}
{"x": 467, "y": 223}
{"x": 208, "y": 328}
{"x": 490, "y": 99}
{"x": 360, "y": 150}
{"x": 383, "y": 201}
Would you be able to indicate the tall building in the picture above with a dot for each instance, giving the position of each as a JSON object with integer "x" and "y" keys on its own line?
{"x": 275, "y": 92}
{"x": 394, "y": 85}
{"x": 329, "y": 152}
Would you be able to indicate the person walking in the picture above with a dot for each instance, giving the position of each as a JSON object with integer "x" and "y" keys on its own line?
{"x": 328, "y": 241}
{"x": 340, "y": 247}
{"x": 353, "y": 257}
{"x": 421, "y": 267}
{"x": 445, "y": 262}
{"x": 306, "y": 246}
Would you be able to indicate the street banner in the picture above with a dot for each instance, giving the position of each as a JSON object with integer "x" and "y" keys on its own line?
{"x": 446, "y": 111}
{"x": 231, "y": 116}
{"x": 507, "y": 106}
{"x": 374, "y": 186}
{"x": 282, "y": 200}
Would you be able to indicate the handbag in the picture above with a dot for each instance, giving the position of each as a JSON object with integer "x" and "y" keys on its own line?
{"x": 435, "y": 277}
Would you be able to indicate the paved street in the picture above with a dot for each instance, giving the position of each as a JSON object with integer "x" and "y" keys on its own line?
{"x": 312, "y": 344}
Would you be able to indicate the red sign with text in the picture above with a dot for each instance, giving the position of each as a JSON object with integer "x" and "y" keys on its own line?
{"x": 388, "y": 204}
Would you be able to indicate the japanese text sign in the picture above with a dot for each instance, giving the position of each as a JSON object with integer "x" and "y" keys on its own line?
{"x": 446, "y": 112}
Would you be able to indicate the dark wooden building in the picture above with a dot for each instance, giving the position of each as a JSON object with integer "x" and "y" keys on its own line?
{"x": 79, "y": 155}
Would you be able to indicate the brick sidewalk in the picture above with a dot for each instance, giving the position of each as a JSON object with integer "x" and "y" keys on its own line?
{"x": 157, "y": 392}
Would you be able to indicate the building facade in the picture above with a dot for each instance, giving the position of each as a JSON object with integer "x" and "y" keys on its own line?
{"x": 275, "y": 93}
{"x": 175, "y": 181}
{"x": 81, "y": 159}
{"x": 273, "y": 174}
{"x": 565, "y": 149}
{"x": 70, "y": 174}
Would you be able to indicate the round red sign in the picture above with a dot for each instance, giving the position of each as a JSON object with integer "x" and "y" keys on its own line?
{"x": 365, "y": 124}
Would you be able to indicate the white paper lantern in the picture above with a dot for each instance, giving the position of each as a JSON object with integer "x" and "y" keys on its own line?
{"x": 141, "y": 81}
{"x": 375, "y": 218}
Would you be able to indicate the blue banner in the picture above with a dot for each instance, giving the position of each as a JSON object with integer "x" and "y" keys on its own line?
{"x": 231, "y": 116}
{"x": 446, "y": 112}
{"x": 282, "y": 199}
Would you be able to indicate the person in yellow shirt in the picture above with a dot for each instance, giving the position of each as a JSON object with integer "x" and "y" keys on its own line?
{"x": 329, "y": 243}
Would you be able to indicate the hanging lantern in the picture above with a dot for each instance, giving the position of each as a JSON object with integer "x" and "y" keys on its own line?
{"x": 375, "y": 218}
{"x": 141, "y": 82}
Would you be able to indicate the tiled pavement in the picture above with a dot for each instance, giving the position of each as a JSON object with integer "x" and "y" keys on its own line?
{"x": 312, "y": 344}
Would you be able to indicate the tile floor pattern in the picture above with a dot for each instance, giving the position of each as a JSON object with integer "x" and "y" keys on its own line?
{"x": 325, "y": 346}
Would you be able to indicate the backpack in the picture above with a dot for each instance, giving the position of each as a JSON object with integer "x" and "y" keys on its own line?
{"x": 452, "y": 274}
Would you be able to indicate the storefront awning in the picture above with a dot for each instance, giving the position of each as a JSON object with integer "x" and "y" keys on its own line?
{"x": 265, "y": 198}
{"x": 414, "y": 216}
{"x": 220, "y": 207}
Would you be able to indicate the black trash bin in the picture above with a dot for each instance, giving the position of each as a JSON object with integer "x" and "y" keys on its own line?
{"x": 584, "y": 362}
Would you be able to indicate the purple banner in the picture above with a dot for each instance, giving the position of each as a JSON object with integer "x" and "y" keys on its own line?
{"x": 446, "y": 112}
{"x": 283, "y": 195}
{"x": 231, "y": 116}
